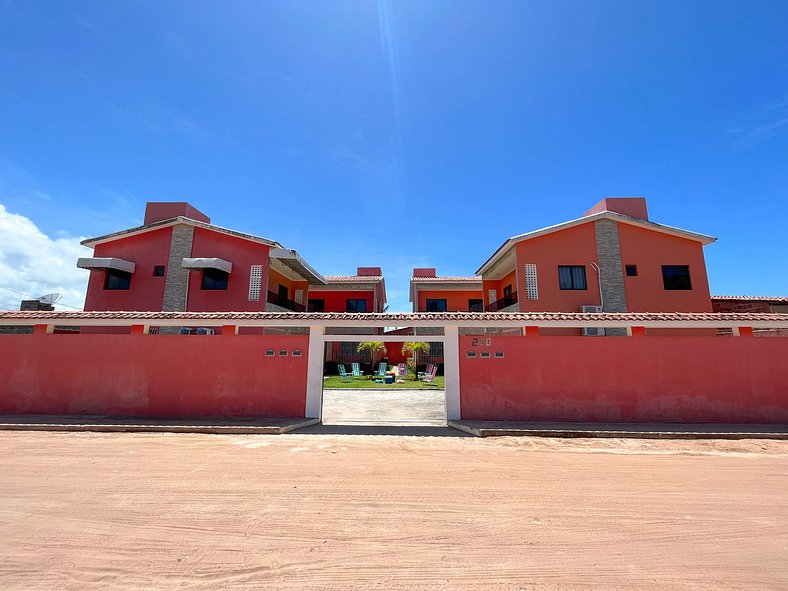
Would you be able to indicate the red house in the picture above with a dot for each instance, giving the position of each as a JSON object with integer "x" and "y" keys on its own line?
{"x": 178, "y": 261}
{"x": 612, "y": 259}
{"x": 431, "y": 293}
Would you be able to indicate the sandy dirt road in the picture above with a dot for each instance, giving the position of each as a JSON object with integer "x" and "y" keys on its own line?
{"x": 158, "y": 511}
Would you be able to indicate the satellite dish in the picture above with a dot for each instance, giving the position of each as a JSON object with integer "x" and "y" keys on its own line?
{"x": 50, "y": 298}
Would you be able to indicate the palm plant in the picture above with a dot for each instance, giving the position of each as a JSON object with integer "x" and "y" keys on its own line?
{"x": 415, "y": 348}
{"x": 374, "y": 347}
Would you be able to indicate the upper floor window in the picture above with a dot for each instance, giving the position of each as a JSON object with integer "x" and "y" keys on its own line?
{"x": 435, "y": 305}
{"x": 215, "y": 279}
{"x": 316, "y": 305}
{"x": 158, "y": 271}
{"x": 676, "y": 277}
{"x": 632, "y": 270}
{"x": 475, "y": 305}
{"x": 356, "y": 305}
{"x": 572, "y": 277}
{"x": 117, "y": 279}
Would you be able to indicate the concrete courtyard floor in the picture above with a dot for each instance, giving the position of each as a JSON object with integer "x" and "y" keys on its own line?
{"x": 90, "y": 511}
{"x": 384, "y": 407}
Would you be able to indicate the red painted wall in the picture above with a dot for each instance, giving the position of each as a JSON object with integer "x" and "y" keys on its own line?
{"x": 242, "y": 254}
{"x": 146, "y": 292}
{"x": 650, "y": 250}
{"x": 456, "y": 301}
{"x": 152, "y": 375}
{"x": 628, "y": 379}
{"x": 572, "y": 246}
{"x": 336, "y": 301}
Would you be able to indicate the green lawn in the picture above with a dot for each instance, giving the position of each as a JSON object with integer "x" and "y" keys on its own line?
{"x": 363, "y": 382}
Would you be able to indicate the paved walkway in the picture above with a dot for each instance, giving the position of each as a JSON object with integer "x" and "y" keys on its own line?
{"x": 384, "y": 407}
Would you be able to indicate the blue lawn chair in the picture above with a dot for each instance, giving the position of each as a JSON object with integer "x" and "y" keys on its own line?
{"x": 357, "y": 373}
{"x": 343, "y": 373}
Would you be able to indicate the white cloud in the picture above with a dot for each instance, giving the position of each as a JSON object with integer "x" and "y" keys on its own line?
{"x": 34, "y": 263}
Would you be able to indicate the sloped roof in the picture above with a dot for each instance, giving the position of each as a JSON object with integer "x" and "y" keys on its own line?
{"x": 353, "y": 278}
{"x": 771, "y": 299}
{"x": 446, "y": 279}
{"x": 91, "y": 242}
{"x": 609, "y": 215}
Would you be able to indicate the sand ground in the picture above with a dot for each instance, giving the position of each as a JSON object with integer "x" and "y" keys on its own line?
{"x": 159, "y": 511}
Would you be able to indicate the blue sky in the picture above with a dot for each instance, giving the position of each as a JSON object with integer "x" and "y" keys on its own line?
{"x": 397, "y": 134}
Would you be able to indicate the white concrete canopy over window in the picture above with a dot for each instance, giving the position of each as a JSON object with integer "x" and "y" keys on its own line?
{"x": 207, "y": 263}
{"x": 103, "y": 263}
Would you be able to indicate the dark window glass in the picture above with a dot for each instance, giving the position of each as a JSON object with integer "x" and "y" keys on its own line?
{"x": 572, "y": 277}
{"x": 676, "y": 277}
{"x": 158, "y": 271}
{"x": 436, "y": 305}
{"x": 356, "y": 306}
{"x": 475, "y": 305}
{"x": 632, "y": 270}
{"x": 117, "y": 279}
{"x": 507, "y": 291}
{"x": 215, "y": 279}
{"x": 316, "y": 305}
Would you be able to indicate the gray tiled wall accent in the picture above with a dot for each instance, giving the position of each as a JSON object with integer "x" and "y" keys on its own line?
{"x": 177, "y": 277}
{"x": 611, "y": 270}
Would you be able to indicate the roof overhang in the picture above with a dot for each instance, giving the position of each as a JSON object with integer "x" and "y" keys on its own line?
{"x": 293, "y": 261}
{"x": 92, "y": 242}
{"x": 208, "y": 263}
{"x": 104, "y": 263}
{"x": 609, "y": 215}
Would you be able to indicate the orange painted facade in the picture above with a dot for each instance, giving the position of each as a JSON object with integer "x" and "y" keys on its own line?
{"x": 650, "y": 250}
{"x": 456, "y": 301}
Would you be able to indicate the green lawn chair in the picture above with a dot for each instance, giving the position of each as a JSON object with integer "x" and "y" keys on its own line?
{"x": 343, "y": 372}
{"x": 380, "y": 375}
{"x": 357, "y": 373}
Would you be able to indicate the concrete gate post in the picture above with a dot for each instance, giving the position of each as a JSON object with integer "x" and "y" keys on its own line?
{"x": 314, "y": 375}
{"x": 451, "y": 371}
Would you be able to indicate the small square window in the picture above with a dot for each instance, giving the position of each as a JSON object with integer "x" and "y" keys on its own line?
{"x": 269, "y": 352}
{"x": 158, "y": 271}
{"x": 117, "y": 279}
{"x": 632, "y": 270}
{"x": 676, "y": 277}
{"x": 499, "y": 354}
{"x": 296, "y": 352}
{"x": 282, "y": 352}
{"x": 215, "y": 279}
{"x": 485, "y": 354}
{"x": 470, "y": 354}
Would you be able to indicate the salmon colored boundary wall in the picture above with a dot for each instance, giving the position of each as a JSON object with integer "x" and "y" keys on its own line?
{"x": 153, "y": 375}
{"x": 647, "y": 379}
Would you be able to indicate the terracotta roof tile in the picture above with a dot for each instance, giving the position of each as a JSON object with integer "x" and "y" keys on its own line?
{"x": 353, "y": 278}
{"x": 750, "y": 298}
{"x": 446, "y": 279}
{"x": 400, "y": 319}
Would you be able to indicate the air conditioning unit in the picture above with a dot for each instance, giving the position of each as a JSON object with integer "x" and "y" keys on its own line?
{"x": 592, "y": 332}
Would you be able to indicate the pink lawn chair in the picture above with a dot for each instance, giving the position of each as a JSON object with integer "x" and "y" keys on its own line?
{"x": 429, "y": 376}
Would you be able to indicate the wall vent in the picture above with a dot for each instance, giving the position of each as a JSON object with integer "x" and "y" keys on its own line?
{"x": 531, "y": 285}
{"x": 255, "y": 282}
